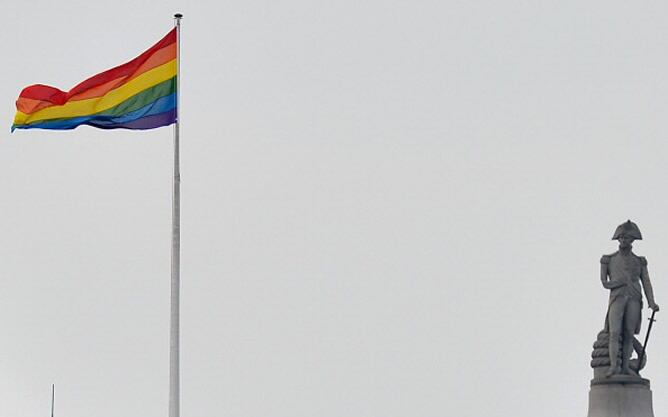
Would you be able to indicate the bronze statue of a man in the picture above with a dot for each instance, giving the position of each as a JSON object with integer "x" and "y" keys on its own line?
{"x": 622, "y": 273}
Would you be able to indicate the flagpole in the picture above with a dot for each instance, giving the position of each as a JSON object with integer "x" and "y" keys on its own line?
{"x": 174, "y": 363}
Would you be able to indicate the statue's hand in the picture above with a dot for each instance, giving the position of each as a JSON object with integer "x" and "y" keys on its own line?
{"x": 654, "y": 306}
{"x": 611, "y": 285}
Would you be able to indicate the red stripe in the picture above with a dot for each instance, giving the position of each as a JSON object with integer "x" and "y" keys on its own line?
{"x": 59, "y": 97}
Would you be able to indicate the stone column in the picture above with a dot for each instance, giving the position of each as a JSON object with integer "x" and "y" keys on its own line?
{"x": 620, "y": 396}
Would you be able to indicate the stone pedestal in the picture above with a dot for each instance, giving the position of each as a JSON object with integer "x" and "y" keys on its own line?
{"x": 620, "y": 396}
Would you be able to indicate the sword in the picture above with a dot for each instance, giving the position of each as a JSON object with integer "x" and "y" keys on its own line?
{"x": 644, "y": 347}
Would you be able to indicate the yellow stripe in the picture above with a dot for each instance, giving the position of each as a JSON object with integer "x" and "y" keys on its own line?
{"x": 95, "y": 105}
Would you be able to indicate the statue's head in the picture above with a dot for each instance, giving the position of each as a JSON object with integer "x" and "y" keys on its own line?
{"x": 626, "y": 233}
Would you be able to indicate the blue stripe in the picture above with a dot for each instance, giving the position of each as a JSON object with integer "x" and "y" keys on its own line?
{"x": 161, "y": 105}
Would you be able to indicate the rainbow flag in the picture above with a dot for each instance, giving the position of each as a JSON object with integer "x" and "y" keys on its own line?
{"x": 140, "y": 94}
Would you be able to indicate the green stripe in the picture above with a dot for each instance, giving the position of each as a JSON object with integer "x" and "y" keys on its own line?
{"x": 143, "y": 98}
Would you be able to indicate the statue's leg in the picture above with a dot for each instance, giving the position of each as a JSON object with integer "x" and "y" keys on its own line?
{"x": 615, "y": 325}
{"x": 631, "y": 317}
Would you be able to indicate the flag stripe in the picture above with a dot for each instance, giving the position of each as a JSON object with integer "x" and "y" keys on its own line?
{"x": 140, "y": 100}
{"x": 159, "y": 106}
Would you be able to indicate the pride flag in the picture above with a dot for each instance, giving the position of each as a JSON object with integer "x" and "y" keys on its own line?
{"x": 140, "y": 94}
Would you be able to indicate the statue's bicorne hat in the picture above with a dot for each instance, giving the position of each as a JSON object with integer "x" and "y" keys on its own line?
{"x": 627, "y": 228}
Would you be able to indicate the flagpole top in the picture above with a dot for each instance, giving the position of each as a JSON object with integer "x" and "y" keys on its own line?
{"x": 178, "y": 16}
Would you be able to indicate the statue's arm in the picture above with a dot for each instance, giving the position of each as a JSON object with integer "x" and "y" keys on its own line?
{"x": 607, "y": 283}
{"x": 604, "y": 272}
{"x": 647, "y": 285}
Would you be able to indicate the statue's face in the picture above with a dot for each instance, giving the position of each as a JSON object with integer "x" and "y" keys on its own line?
{"x": 625, "y": 241}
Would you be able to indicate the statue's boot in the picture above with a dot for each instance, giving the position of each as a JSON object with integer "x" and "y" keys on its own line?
{"x": 627, "y": 350}
{"x": 614, "y": 370}
{"x": 613, "y": 349}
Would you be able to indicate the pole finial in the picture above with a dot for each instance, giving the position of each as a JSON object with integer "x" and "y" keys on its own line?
{"x": 178, "y": 16}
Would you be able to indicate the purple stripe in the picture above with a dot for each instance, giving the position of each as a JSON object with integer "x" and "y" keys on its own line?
{"x": 148, "y": 122}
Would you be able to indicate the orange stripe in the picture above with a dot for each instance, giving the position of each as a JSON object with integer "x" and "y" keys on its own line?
{"x": 161, "y": 56}
{"x": 100, "y": 90}
{"x": 30, "y": 105}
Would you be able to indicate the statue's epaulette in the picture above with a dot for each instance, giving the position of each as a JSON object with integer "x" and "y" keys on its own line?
{"x": 605, "y": 259}
{"x": 643, "y": 260}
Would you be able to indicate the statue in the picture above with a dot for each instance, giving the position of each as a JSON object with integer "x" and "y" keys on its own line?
{"x": 617, "y": 389}
{"x": 622, "y": 273}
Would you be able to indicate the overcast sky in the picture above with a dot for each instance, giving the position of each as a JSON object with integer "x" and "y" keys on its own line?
{"x": 389, "y": 208}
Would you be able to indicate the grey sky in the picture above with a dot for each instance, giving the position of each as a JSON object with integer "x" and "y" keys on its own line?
{"x": 389, "y": 208}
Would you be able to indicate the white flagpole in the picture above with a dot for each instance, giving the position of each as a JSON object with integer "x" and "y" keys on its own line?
{"x": 174, "y": 366}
